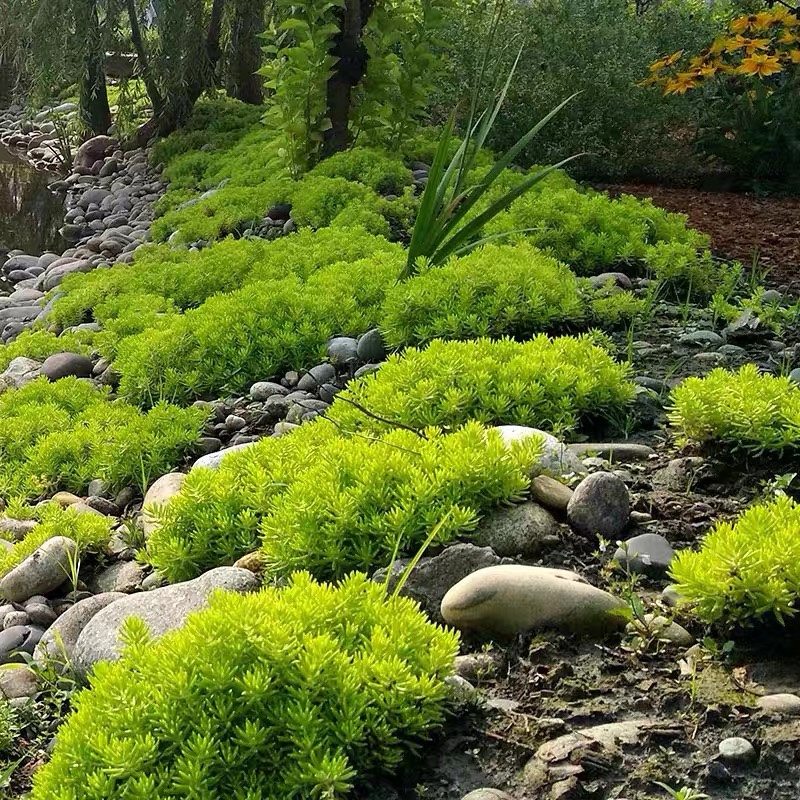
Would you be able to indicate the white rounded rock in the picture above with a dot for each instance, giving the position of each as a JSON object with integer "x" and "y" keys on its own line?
{"x": 556, "y": 458}
{"x": 159, "y": 494}
{"x": 44, "y": 570}
{"x": 511, "y": 599}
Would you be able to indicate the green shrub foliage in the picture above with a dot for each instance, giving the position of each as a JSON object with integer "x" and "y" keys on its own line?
{"x": 495, "y": 291}
{"x": 552, "y": 384}
{"x": 91, "y": 532}
{"x": 63, "y": 435}
{"x": 333, "y": 503}
{"x": 746, "y": 572}
{"x": 297, "y": 692}
{"x": 745, "y": 410}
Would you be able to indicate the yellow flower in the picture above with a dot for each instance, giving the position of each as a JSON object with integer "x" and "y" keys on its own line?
{"x": 717, "y": 46}
{"x": 681, "y": 83}
{"x": 763, "y": 20}
{"x": 753, "y": 45}
{"x": 707, "y": 70}
{"x": 735, "y": 43}
{"x": 788, "y": 37}
{"x": 785, "y": 17}
{"x": 759, "y": 64}
{"x": 794, "y": 56}
{"x": 752, "y": 22}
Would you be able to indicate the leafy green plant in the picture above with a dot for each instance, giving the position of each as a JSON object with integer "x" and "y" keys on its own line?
{"x": 67, "y": 433}
{"x": 494, "y": 291}
{"x": 90, "y": 532}
{"x": 774, "y": 316}
{"x": 746, "y": 410}
{"x": 304, "y": 691}
{"x": 382, "y": 171}
{"x": 9, "y": 727}
{"x": 746, "y": 572}
{"x": 335, "y": 503}
{"x": 546, "y": 383}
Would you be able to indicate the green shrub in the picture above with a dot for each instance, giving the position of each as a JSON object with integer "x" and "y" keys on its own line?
{"x": 317, "y": 200}
{"x": 297, "y": 692}
{"x": 90, "y": 532}
{"x": 495, "y": 291}
{"x": 336, "y": 503}
{"x": 744, "y": 410}
{"x": 67, "y": 433}
{"x": 40, "y": 344}
{"x": 235, "y": 339}
{"x": 601, "y": 48}
{"x": 747, "y": 571}
{"x": 552, "y": 384}
{"x": 9, "y": 726}
{"x": 382, "y": 172}
{"x": 186, "y": 279}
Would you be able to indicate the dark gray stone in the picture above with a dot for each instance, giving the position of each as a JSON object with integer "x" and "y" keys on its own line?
{"x": 600, "y": 506}
{"x": 649, "y": 553}
{"x": 371, "y": 347}
{"x": 17, "y": 640}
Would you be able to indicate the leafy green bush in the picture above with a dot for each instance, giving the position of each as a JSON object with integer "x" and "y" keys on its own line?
{"x": 593, "y": 233}
{"x": 9, "y": 726}
{"x": 744, "y": 410}
{"x": 318, "y": 200}
{"x": 88, "y": 531}
{"x": 745, "y": 571}
{"x": 186, "y": 279}
{"x": 335, "y": 503}
{"x": 552, "y": 384}
{"x": 601, "y": 48}
{"x": 495, "y": 291}
{"x": 296, "y": 692}
{"x": 235, "y": 339}
{"x": 381, "y": 171}
{"x": 67, "y": 433}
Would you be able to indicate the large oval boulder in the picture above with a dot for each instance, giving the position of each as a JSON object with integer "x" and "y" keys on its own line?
{"x": 58, "y": 643}
{"x": 509, "y": 599}
{"x": 555, "y": 457}
{"x": 44, "y": 570}
{"x": 162, "y": 610}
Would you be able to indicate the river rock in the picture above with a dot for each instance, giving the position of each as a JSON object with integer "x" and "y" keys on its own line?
{"x": 124, "y": 577}
{"x": 432, "y": 577}
{"x": 649, "y": 553}
{"x": 160, "y": 493}
{"x": 41, "y": 572}
{"x": 19, "y": 372}
{"x": 59, "y": 640}
{"x": 213, "y": 460}
{"x": 263, "y": 390}
{"x": 737, "y": 749}
{"x": 343, "y": 350}
{"x": 779, "y": 704}
{"x": 93, "y": 150}
{"x": 16, "y": 641}
{"x": 316, "y": 377}
{"x": 511, "y": 599}
{"x": 487, "y": 794}
{"x": 63, "y": 365}
{"x": 613, "y": 451}
{"x": 17, "y": 681}
{"x": 600, "y": 506}
{"x": 524, "y": 530}
{"x": 556, "y": 457}
{"x": 550, "y": 493}
{"x": 371, "y": 347}
{"x": 162, "y": 610}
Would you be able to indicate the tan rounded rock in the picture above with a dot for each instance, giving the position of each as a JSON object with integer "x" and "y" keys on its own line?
{"x": 160, "y": 493}
{"x": 511, "y": 599}
{"x": 550, "y": 493}
{"x": 784, "y": 704}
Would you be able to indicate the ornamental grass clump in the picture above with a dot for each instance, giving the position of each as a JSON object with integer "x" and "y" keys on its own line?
{"x": 553, "y": 384}
{"x": 304, "y": 691}
{"x": 62, "y": 435}
{"x": 745, "y": 410}
{"x": 746, "y": 572}
{"x": 323, "y": 501}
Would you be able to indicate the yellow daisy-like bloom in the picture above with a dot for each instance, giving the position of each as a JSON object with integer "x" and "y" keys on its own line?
{"x": 741, "y": 24}
{"x": 681, "y": 83}
{"x": 754, "y": 45}
{"x": 794, "y": 56}
{"x": 670, "y": 60}
{"x": 759, "y": 64}
{"x": 707, "y": 71}
{"x": 717, "y": 46}
{"x": 784, "y": 17}
{"x": 735, "y": 43}
{"x": 763, "y": 20}
{"x": 789, "y": 37}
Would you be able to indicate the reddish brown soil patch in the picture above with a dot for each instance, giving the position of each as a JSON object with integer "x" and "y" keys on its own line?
{"x": 740, "y": 225}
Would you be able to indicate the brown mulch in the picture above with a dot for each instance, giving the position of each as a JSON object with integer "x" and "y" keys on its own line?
{"x": 742, "y": 226}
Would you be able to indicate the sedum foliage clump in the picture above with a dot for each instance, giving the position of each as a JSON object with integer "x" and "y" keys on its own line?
{"x": 62, "y": 435}
{"x": 304, "y": 691}
{"x": 746, "y": 572}
{"x": 746, "y": 410}
{"x": 553, "y": 384}
{"x": 495, "y": 291}
{"x": 91, "y": 532}
{"x": 331, "y": 503}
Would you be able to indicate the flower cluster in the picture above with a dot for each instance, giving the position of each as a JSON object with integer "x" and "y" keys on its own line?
{"x": 761, "y": 45}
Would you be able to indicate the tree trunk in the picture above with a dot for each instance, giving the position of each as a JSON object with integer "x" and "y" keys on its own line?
{"x": 95, "y": 112}
{"x": 245, "y": 52}
{"x": 144, "y": 62}
{"x": 351, "y": 67}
